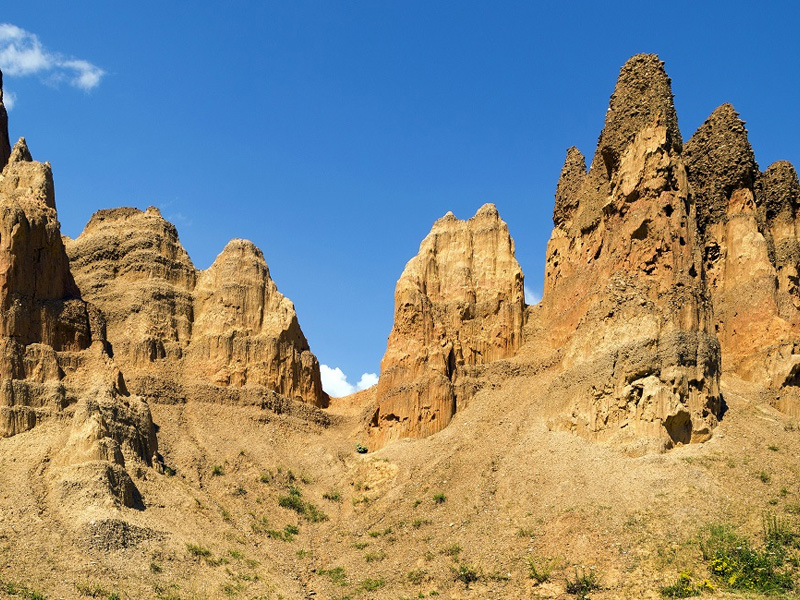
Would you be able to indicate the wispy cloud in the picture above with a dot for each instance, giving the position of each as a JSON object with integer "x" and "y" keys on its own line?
{"x": 335, "y": 383}
{"x": 22, "y": 54}
{"x": 8, "y": 100}
{"x": 532, "y": 297}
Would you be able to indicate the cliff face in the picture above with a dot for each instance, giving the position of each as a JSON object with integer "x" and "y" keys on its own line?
{"x": 246, "y": 332}
{"x": 624, "y": 296}
{"x": 53, "y": 348}
{"x": 173, "y": 327}
{"x": 458, "y": 304}
{"x": 751, "y": 253}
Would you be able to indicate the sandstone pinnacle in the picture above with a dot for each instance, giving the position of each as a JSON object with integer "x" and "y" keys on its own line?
{"x": 459, "y": 304}
{"x": 572, "y": 175}
{"x": 779, "y": 191}
{"x": 642, "y": 96}
{"x": 719, "y": 161}
{"x": 5, "y": 144}
{"x": 20, "y": 153}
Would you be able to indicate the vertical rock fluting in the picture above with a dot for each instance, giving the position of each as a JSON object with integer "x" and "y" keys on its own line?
{"x": 459, "y": 303}
{"x": 246, "y": 332}
{"x": 53, "y": 350}
{"x": 131, "y": 264}
{"x": 624, "y": 296}
{"x": 751, "y": 252}
{"x": 174, "y": 328}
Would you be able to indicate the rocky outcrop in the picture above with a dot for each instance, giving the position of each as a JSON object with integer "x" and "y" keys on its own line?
{"x": 53, "y": 349}
{"x": 174, "y": 328}
{"x": 751, "y": 251}
{"x": 624, "y": 298}
{"x": 131, "y": 264}
{"x": 459, "y": 303}
{"x": 246, "y": 332}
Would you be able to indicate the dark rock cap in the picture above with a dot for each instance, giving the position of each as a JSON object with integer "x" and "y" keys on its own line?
{"x": 719, "y": 160}
{"x": 778, "y": 190}
{"x": 572, "y": 175}
{"x": 643, "y": 95}
{"x": 5, "y": 143}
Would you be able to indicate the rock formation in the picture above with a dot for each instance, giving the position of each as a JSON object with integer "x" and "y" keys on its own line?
{"x": 53, "y": 349}
{"x": 174, "y": 328}
{"x": 5, "y": 143}
{"x": 459, "y": 303}
{"x": 748, "y": 220}
{"x": 624, "y": 297}
{"x": 246, "y": 331}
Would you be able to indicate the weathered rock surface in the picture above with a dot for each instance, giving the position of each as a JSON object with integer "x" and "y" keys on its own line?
{"x": 174, "y": 328}
{"x": 246, "y": 332}
{"x": 459, "y": 303}
{"x": 53, "y": 349}
{"x": 751, "y": 252}
{"x": 624, "y": 296}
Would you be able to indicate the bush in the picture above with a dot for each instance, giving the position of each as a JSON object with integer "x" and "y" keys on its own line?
{"x": 684, "y": 587}
{"x": 584, "y": 582}
{"x": 439, "y": 498}
{"x": 370, "y": 585}
{"x": 217, "y": 470}
{"x": 466, "y": 574}
{"x": 736, "y": 564}
{"x": 337, "y": 575}
{"x": 540, "y": 569}
{"x": 361, "y": 449}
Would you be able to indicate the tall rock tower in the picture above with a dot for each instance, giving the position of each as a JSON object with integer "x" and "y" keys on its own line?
{"x": 459, "y": 303}
{"x": 624, "y": 294}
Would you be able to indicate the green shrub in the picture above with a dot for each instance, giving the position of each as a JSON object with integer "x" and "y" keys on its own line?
{"x": 737, "y": 565}
{"x": 333, "y": 496}
{"x": 540, "y": 569}
{"x": 439, "y": 498}
{"x": 197, "y": 550}
{"x": 370, "y": 585}
{"x": 361, "y": 449}
{"x": 684, "y": 587}
{"x": 417, "y": 576}
{"x": 337, "y": 575}
{"x": 217, "y": 470}
{"x": 584, "y": 582}
{"x": 466, "y": 574}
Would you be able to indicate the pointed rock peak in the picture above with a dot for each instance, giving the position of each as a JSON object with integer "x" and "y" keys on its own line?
{"x": 240, "y": 251}
{"x": 572, "y": 175}
{"x": 720, "y": 161}
{"x": 779, "y": 190}
{"x": 5, "y": 143}
{"x": 487, "y": 210}
{"x": 641, "y": 98}
{"x": 20, "y": 153}
{"x": 152, "y": 210}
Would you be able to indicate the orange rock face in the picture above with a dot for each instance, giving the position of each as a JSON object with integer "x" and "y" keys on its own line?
{"x": 751, "y": 253}
{"x": 246, "y": 332}
{"x": 173, "y": 327}
{"x": 624, "y": 297}
{"x": 458, "y": 303}
{"x": 53, "y": 348}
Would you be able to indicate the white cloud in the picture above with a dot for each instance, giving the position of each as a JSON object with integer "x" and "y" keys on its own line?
{"x": 367, "y": 380}
{"x": 532, "y": 297}
{"x": 21, "y": 54}
{"x": 8, "y": 100}
{"x": 335, "y": 383}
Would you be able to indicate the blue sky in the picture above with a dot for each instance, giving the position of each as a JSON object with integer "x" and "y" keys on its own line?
{"x": 333, "y": 134}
